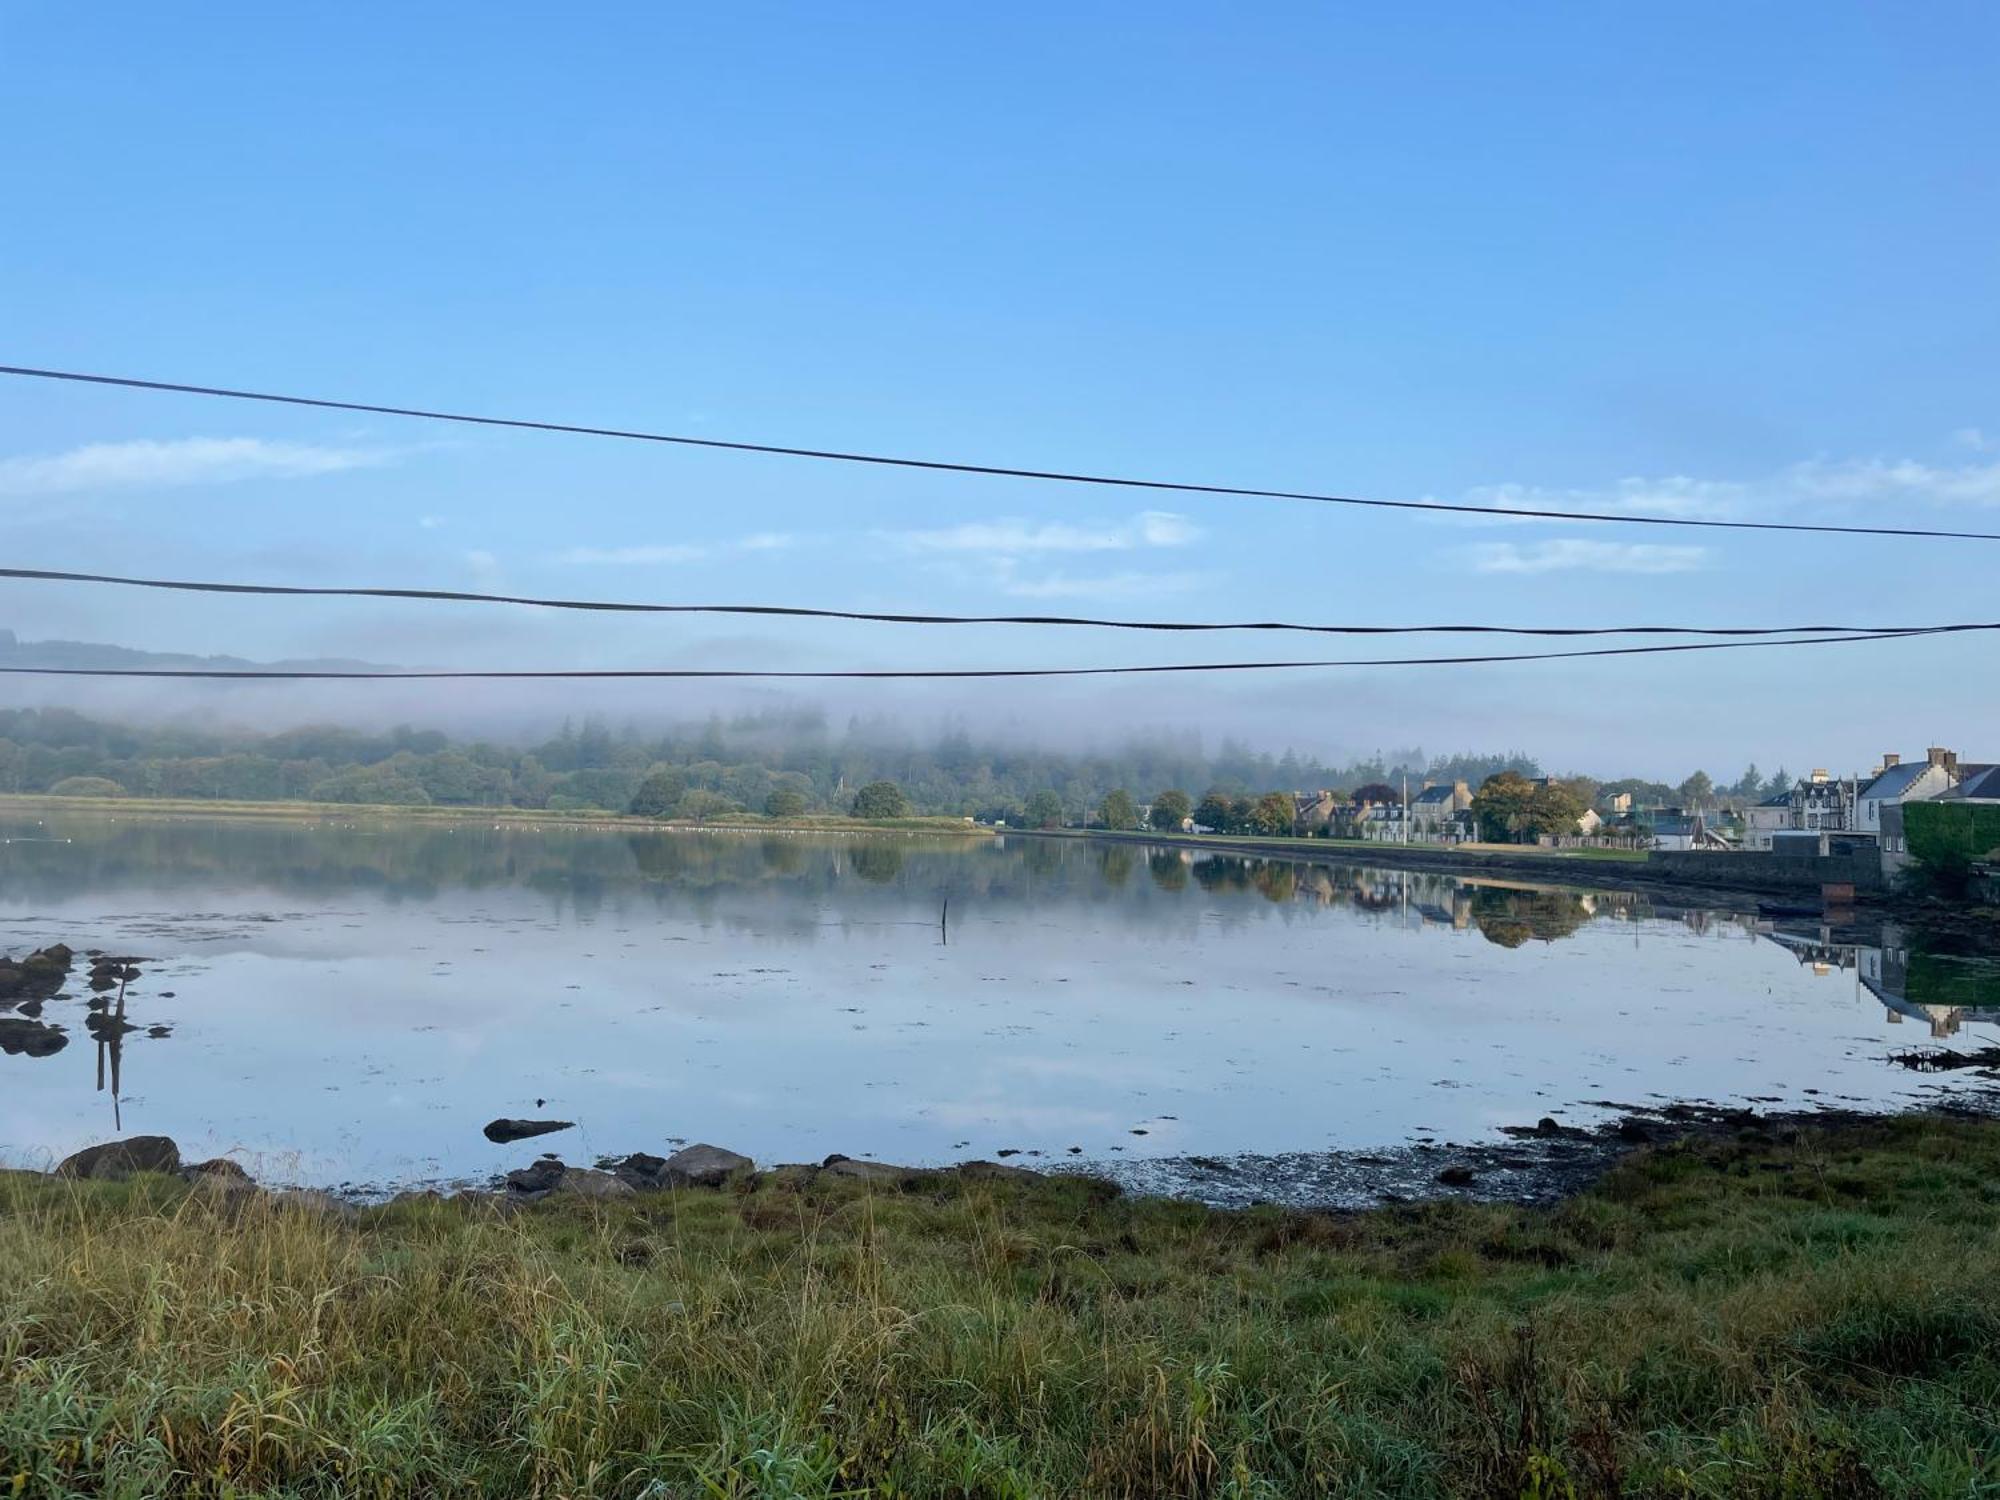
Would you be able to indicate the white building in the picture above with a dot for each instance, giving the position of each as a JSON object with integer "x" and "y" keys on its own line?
{"x": 1823, "y": 804}
{"x": 1896, "y": 783}
{"x": 1772, "y": 815}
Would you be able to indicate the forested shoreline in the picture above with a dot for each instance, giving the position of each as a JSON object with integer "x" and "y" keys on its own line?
{"x": 703, "y": 769}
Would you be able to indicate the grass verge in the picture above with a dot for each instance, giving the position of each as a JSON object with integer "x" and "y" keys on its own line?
{"x": 1817, "y": 1315}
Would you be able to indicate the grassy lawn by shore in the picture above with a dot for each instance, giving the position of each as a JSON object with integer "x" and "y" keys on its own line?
{"x": 1815, "y": 1316}
{"x": 28, "y": 803}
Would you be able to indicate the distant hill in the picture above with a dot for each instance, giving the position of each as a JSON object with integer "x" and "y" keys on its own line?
{"x": 15, "y": 652}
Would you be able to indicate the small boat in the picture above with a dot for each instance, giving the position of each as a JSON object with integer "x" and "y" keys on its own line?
{"x": 1788, "y": 909}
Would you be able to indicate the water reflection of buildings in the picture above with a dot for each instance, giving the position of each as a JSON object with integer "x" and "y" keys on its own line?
{"x": 1942, "y": 991}
{"x": 1506, "y": 913}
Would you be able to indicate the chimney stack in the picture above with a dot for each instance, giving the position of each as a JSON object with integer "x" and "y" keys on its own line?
{"x": 1939, "y": 756}
{"x": 1890, "y": 759}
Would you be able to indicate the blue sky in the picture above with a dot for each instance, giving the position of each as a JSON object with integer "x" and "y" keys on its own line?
{"x": 1718, "y": 260}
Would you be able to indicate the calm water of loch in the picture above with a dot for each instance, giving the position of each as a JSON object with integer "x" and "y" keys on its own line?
{"x": 349, "y": 1002}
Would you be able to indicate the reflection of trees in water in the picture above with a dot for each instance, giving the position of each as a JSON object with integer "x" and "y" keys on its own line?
{"x": 1222, "y": 873}
{"x": 1511, "y": 918}
{"x": 782, "y": 856}
{"x": 1276, "y": 881}
{"x": 730, "y": 877}
{"x": 1044, "y": 858}
{"x": 877, "y": 863}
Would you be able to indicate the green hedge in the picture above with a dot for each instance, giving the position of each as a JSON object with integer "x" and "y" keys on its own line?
{"x": 1952, "y": 835}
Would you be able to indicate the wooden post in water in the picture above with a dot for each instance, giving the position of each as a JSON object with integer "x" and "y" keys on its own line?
{"x": 944, "y": 914}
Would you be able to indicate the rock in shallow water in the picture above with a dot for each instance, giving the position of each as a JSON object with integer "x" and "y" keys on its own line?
{"x": 115, "y": 1160}
{"x": 20, "y": 1038}
{"x": 501, "y": 1132}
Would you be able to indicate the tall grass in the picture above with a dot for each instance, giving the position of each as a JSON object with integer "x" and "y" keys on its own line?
{"x": 1812, "y": 1317}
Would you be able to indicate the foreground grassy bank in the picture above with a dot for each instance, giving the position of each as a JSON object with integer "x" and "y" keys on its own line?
{"x": 1812, "y": 1316}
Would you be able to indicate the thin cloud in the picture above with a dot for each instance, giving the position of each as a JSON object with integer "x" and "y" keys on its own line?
{"x": 663, "y": 553}
{"x": 1105, "y": 586}
{"x": 621, "y": 557}
{"x": 1874, "y": 479}
{"x": 1811, "y": 484}
{"x": 1152, "y": 528}
{"x": 1566, "y": 553}
{"x": 149, "y": 464}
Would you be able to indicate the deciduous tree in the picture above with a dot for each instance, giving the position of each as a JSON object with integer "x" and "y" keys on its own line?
{"x": 1170, "y": 810}
{"x": 881, "y": 799}
{"x": 1117, "y": 811}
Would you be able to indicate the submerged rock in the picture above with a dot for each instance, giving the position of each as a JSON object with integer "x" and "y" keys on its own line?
{"x": 20, "y": 1038}
{"x": 116, "y": 1160}
{"x": 42, "y": 975}
{"x": 703, "y": 1165}
{"x": 502, "y": 1132}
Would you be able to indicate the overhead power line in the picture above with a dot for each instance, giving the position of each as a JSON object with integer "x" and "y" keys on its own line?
{"x": 284, "y": 590}
{"x": 994, "y": 470}
{"x": 268, "y": 674}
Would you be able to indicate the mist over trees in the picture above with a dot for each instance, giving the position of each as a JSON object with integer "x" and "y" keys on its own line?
{"x": 754, "y": 763}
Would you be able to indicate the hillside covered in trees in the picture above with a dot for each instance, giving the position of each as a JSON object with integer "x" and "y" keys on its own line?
{"x": 792, "y": 764}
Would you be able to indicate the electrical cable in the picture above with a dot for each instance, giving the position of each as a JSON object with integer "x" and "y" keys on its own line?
{"x": 31, "y": 372}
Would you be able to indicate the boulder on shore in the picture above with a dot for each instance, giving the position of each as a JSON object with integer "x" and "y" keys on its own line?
{"x": 115, "y": 1160}
{"x": 503, "y": 1132}
{"x": 993, "y": 1171}
{"x": 866, "y": 1171}
{"x": 588, "y": 1182}
{"x": 642, "y": 1171}
{"x": 313, "y": 1201}
{"x": 220, "y": 1168}
{"x": 703, "y": 1165}
{"x": 537, "y": 1177}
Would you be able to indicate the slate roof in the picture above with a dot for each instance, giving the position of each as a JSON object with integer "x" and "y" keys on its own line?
{"x": 1895, "y": 781}
{"x": 1982, "y": 785}
{"x": 1432, "y": 794}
